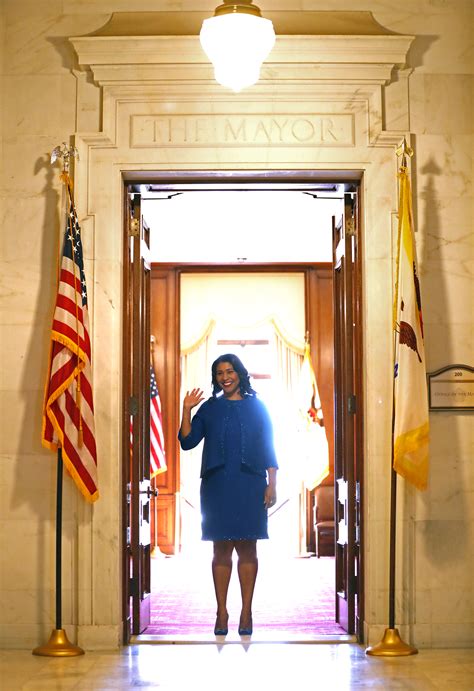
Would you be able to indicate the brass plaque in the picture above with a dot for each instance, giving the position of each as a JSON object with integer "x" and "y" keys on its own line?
{"x": 451, "y": 388}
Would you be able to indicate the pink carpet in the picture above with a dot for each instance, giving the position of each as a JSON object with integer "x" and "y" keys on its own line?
{"x": 293, "y": 595}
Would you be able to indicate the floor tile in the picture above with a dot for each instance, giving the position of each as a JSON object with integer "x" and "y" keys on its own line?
{"x": 237, "y": 666}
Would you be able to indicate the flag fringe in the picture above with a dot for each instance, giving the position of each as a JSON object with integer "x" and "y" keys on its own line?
{"x": 71, "y": 345}
{"x": 411, "y": 456}
{"x": 413, "y": 475}
{"x": 67, "y": 461}
{"x": 410, "y": 441}
{"x": 91, "y": 498}
{"x": 65, "y": 385}
{"x": 48, "y": 444}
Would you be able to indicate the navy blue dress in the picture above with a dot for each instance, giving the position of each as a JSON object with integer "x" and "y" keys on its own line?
{"x": 233, "y": 487}
{"x": 232, "y": 496}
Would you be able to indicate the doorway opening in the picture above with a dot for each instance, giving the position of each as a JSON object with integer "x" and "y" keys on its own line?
{"x": 261, "y": 241}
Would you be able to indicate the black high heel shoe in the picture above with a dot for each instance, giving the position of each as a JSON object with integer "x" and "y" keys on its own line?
{"x": 221, "y": 630}
{"x": 246, "y": 630}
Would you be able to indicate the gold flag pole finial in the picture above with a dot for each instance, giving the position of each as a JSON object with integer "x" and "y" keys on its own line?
{"x": 66, "y": 153}
{"x": 404, "y": 150}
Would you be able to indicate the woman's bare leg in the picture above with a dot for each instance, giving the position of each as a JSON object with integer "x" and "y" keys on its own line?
{"x": 221, "y": 572}
{"x": 247, "y": 568}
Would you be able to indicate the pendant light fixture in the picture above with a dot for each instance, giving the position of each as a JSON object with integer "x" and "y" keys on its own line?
{"x": 237, "y": 39}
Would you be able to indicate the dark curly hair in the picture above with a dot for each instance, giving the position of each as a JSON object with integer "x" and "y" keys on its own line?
{"x": 245, "y": 388}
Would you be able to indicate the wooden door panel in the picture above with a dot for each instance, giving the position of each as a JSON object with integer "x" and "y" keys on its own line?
{"x": 137, "y": 419}
{"x": 166, "y": 524}
{"x": 343, "y": 599}
{"x": 347, "y": 399}
{"x": 320, "y": 324}
{"x": 165, "y": 329}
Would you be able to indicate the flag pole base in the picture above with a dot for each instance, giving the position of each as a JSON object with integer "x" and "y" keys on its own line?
{"x": 391, "y": 645}
{"x": 58, "y": 646}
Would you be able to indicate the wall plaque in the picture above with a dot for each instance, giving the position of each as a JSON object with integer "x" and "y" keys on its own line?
{"x": 302, "y": 129}
{"x": 451, "y": 388}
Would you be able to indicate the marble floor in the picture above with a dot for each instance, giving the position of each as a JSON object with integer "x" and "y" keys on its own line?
{"x": 237, "y": 667}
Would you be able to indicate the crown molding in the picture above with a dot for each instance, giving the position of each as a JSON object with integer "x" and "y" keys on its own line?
{"x": 285, "y": 22}
{"x": 135, "y": 59}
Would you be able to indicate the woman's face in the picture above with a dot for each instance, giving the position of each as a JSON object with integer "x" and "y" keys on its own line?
{"x": 228, "y": 379}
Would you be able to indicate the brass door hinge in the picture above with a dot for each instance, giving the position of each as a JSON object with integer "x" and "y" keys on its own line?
{"x": 134, "y": 227}
{"x": 350, "y": 226}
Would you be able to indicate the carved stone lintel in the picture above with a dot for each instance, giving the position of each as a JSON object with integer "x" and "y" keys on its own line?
{"x": 318, "y": 55}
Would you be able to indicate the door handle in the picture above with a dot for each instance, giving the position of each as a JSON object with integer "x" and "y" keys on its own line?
{"x": 149, "y": 492}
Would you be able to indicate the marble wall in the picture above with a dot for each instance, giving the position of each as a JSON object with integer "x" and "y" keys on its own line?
{"x": 40, "y": 88}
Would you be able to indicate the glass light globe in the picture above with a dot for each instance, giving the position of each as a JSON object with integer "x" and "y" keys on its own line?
{"x": 237, "y": 44}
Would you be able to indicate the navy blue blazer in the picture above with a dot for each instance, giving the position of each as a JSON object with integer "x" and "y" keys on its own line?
{"x": 209, "y": 423}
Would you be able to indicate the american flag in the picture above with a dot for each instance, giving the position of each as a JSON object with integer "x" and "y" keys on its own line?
{"x": 68, "y": 411}
{"x": 157, "y": 441}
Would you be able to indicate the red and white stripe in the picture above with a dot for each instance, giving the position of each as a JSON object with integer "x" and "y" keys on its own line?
{"x": 157, "y": 440}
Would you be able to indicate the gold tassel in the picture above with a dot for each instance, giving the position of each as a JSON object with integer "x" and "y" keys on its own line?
{"x": 64, "y": 177}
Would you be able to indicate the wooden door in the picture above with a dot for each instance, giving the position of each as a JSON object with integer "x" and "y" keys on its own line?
{"x": 347, "y": 409}
{"x": 165, "y": 330}
{"x": 320, "y": 326}
{"x": 137, "y": 417}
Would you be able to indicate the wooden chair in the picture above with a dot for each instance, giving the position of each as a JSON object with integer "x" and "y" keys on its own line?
{"x": 324, "y": 524}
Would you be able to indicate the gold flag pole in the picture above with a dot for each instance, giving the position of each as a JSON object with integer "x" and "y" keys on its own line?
{"x": 59, "y": 644}
{"x": 392, "y": 644}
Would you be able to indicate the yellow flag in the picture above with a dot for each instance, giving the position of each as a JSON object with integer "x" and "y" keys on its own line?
{"x": 411, "y": 422}
{"x": 314, "y": 441}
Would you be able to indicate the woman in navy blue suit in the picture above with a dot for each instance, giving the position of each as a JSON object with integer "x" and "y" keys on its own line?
{"x": 238, "y": 478}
